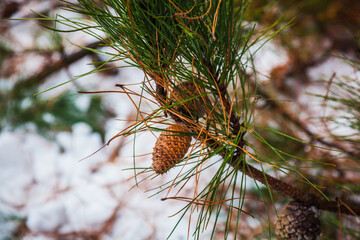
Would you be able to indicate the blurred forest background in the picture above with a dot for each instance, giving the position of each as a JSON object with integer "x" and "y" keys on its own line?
{"x": 309, "y": 80}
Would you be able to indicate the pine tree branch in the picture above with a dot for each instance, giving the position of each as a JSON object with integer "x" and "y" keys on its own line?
{"x": 278, "y": 185}
{"x": 295, "y": 193}
{"x": 282, "y": 187}
{"x": 273, "y": 183}
{"x": 138, "y": 30}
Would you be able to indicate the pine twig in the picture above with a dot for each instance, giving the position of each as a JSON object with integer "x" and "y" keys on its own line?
{"x": 295, "y": 193}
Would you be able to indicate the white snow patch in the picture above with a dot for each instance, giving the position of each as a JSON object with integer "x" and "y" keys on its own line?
{"x": 47, "y": 217}
{"x": 333, "y": 65}
{"x": 88, "y": 206}
{"x": 267, "y": 57}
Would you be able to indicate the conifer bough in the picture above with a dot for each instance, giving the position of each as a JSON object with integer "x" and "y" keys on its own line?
{"x": 201, "y": 41}
{"x": 204, "y": 42}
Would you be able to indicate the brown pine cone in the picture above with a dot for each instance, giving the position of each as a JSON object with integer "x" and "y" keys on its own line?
{"x": 298, "y": 222}
{"x": 170, "y": 148}
{"x": 184, "y": 91}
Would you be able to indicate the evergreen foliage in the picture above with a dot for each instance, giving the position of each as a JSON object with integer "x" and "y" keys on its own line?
{"x": 207, "y": 44}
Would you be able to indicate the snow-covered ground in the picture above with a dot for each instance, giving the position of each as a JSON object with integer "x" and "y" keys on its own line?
{"x": 57, "y": 193}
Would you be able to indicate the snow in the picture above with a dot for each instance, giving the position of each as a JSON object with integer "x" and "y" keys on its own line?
{"x": 88, "y": 206}
{"x": 267, "y": 57}
{"x": 47, "y": 217}
{"x": 13, "y": 160}
{"x": 333, "y": 65}
{"x": 325, "y": 71}
{"x": 59, "y": 193}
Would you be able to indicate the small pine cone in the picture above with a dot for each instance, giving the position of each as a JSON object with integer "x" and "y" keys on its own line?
{"x": 170, "y": 148}
{"x": 184, "y": 91}
{"x": 298, "y": 222}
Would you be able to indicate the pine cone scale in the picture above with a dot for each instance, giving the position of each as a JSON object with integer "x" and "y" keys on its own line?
{"x": 182, "y": 92}
{"x": 298, "y": 222}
